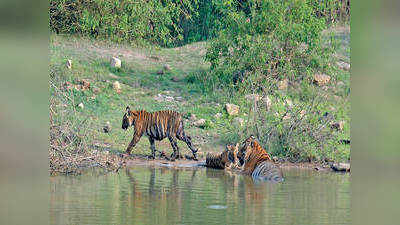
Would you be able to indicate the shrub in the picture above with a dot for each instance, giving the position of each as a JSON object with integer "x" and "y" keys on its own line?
{"x": 278, "y": 39}
{"x": 130, "y": 20}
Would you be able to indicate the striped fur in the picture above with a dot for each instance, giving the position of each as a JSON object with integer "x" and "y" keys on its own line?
{"x": 257, "y": 162}
{"x": 157, "y": 126}
{"x": 223, "y": 159}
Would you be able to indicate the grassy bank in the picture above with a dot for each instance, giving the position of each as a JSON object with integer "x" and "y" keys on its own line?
{"x": 181, "y": 87}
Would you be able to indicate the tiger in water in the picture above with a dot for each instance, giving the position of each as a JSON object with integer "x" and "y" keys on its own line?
{"x": 256, "y": 161}
{"x": 157, "y": 126}
{"x": 224, "y": 160}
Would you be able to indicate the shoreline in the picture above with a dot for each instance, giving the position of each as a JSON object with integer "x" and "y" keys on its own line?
{"x": 114, "y": 162}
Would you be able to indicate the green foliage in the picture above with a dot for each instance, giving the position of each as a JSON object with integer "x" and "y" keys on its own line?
{"x": 279, "y": 39}
{"x": 130, "y": 20}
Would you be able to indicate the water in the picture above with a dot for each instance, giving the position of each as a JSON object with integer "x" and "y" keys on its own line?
{"x": 159, "y": 195}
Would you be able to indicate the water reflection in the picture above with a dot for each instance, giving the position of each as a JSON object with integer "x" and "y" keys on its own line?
{"x": 159, "y": 195}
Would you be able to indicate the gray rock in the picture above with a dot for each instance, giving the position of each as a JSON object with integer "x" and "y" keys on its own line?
{"x": 117, "y": 86}
{"x": 200, "y": 123}
{"x": 340, "y": 167}
{"x": 167, "y": 67}
{"x": 115, "y": 62}
{"x": 68, "y": 64}
{"x": 343, "y": 65}
{"x": 232, "y": 109}
{"x": 321, "y": 79}
{"x": 283, "y": 84}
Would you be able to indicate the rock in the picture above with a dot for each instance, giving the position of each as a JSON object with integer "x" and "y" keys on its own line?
{"x": 96, "y": 90}
{"x": 268, "y": 103}
{"x": 238, "y": 121}
{"x": 200, "y": 123}
{"x": 193, "y": 117}
{"x": 253, "y": 97}
{"x": 107, "y": 127}
{"x": 169, "y": 98}
{"x": 338, "y": 125}
{"x": 340, "y": 167}
{"x": 160, "y": 72}
{"x": 321, "y": 79}
{"x": 167, "y": 67}
{"x": 117, "y": 86}
{"x": 343, "y": 65}
{"x": 218, "y": 115}
{"x": 232, "y": 109}
{"x": 283, "y": 84}
{"x": 113, "y": 76}
{"x": 68, "y": 64}
{"x": 80, "y": 105}
{"x": 115, "y": 62}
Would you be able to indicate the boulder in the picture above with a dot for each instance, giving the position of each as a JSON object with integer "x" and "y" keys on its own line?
{"x": 68, "y": 64}
{"x": 117, "y": 86}
{"x": 193, "y": 117}
{"x": 80, "y": 105}
{"x": 232, "y": 109}
{"x": 115, "y": 62}
{"x": 167, "y": 67}
{"x": 343, "y": 65}
{"x": 283, "y": 84}
{"x": 200, "y": 123}
{"x": 321, "y": 79}
{"x": 340, "y": 167}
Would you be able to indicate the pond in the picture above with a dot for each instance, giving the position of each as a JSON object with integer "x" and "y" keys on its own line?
{"x": 160, "y": 195}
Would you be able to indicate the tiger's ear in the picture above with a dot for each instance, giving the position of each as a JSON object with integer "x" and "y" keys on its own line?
{"x": 128, "y": 110}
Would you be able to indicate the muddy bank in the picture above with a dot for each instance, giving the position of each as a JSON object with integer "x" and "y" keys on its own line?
{"x": 113, "y": 162}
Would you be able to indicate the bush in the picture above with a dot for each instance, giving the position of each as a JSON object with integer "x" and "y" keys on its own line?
{"x": 130, "y": 20}
{"x": 278, "y": 39}
{"x": 267, "y": 42}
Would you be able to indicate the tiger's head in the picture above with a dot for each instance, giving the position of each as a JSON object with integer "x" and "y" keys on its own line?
{"x": 246, "y": 147}
{"x": 128, "y": 119}
{"x": 232, "y": 152}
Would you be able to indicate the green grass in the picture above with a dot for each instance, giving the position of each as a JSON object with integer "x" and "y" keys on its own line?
{"x": 141, "y": 83}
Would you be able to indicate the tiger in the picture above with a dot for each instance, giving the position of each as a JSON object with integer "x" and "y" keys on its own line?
{"x": 223, "y": 159}
{"x": 157, "y": 126}
{"x": 257, "y": 162}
